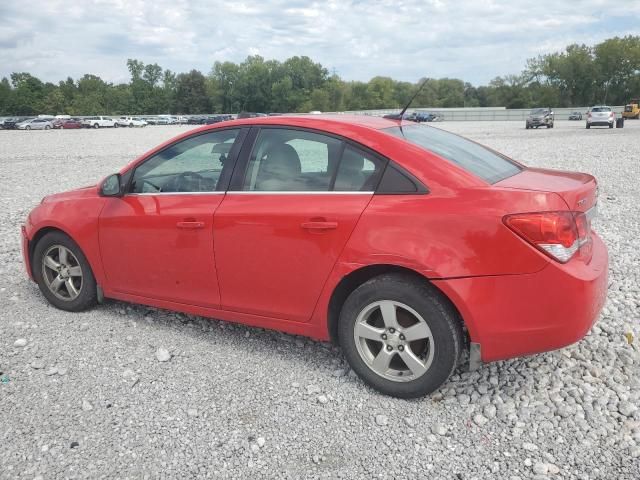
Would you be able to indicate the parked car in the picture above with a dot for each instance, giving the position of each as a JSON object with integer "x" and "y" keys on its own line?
{"x": 35, "y": 124}
{"x": 575, "y": 116}
{"x": 72, "y": 123}
{"x": 602, "y": 116}
{"x": 131, "y": 122}
{"x": 196, "y": 120}
{"x": 424, "y": 117}
{"x": 12, "y": 123}
{"x": 406, "y": 244}
{"x": 540, "y": 117}
{"x": 99, "y": 122}
{"x": 217, "y": 119}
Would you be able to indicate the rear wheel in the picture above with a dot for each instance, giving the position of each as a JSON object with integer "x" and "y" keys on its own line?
{"x": 400, "y": 336}
{"x": 47, "y": 127}
{"x": 115, "y": 125}
{"x": 63, "y": 273}
{"x": 95, "y": 125}
{"x": 28, "y": 127}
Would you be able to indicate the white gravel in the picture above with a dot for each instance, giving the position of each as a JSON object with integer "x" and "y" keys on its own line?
{"x": 89, "y": 395}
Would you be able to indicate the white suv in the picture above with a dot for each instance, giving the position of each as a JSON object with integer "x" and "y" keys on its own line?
{"x": 131, "y": 122}
{"x": 601, "y": 115}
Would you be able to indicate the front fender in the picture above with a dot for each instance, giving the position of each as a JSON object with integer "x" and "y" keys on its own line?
{"x": 77, "y": 218}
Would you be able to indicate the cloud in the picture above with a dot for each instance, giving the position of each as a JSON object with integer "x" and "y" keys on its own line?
{"x": 475, "y": 40}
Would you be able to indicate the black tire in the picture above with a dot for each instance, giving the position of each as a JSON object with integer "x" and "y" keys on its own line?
{"x": 429, "y": 303}
{"x": 47, "y": 127}
{"x": 28, "y": 127}
{"x": 95, "y": 125}
{"x": 87, "y": 296}
{"x": 527, "y": 126}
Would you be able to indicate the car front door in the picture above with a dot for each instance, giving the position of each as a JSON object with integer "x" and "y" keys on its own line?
{"x": 156, "y": 241}
{"x": 294, "y": 200}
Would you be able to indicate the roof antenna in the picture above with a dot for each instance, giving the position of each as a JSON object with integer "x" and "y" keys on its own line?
{"x": 411, "y": 99}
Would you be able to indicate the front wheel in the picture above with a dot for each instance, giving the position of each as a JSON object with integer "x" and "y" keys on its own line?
{"x": 95, "y": 125}
{"x": 400, "y": 335}
{"x": 28, "y": 127}
{"x": 63, "y": 273}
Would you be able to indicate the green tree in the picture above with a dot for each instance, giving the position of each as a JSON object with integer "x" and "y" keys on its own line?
{"x": 191, "y": 93}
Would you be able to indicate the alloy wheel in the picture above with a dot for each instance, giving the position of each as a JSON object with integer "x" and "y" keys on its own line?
{"x": 394, "y": 340}
{"x": 62, "y": 273}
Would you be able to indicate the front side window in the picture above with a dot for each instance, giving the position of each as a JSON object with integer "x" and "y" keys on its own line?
{"x": 292, "y": 161}
{"x": 190, "y": 166}
{"x": 472, "y": 157}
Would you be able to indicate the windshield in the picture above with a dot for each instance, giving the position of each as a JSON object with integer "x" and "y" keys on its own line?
{"x": 538, "y": 111}
{"x": 600, "y": 109}
{"x": 474, "y": 158}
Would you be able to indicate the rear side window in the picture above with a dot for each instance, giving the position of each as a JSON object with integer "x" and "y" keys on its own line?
{"x": 474, "y": 158}
{"x": 286, "y": 160}
{"x": 358, "y": 171}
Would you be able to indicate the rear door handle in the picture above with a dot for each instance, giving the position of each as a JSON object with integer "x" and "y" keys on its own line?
{"x": 190, "y": 224}
{"x": 320, "y": 225}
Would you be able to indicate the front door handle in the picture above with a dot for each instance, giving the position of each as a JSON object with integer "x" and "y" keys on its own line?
{"x": 320, "y": 225}
{"x": 190, "y": 224}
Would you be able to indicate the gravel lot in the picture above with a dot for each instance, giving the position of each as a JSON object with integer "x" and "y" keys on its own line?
{"x": 86, "y": 395}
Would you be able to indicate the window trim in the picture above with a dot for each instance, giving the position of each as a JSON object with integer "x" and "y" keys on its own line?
{"x": 240, "y": 169}
{"x": 223, "y": 181}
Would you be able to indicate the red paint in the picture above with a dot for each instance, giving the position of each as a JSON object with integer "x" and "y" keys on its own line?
{"x": 274, "y": 260}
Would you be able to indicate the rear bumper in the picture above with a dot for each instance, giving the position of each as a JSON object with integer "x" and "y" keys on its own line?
{"x": 600, "y": 123}
{"x": 516, "y": 315}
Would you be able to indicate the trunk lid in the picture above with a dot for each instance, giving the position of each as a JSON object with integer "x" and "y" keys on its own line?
{"x": 578, "y": 190}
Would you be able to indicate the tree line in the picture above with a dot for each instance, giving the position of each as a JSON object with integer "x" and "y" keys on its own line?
{"x": 579, "y": 75}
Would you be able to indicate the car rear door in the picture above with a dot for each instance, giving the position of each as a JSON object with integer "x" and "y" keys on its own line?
{"x": 294, "y": 200}
{"x": 157, "y": 240}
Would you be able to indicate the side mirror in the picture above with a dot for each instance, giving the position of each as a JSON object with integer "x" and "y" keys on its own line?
{"x": 111, "y": 186}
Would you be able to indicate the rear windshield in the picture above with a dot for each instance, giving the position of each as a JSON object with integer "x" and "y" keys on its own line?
{"x": 600, "y": 109}
{"x": 474, "y": 158}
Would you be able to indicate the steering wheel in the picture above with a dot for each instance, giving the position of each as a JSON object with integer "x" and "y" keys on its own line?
{"x": 186, "y": 177}
{"x": 153, "y": 185}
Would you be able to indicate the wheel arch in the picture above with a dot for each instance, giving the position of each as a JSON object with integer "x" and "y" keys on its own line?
{"x": 41, "y": 232}
{"x": 357, "y": 277}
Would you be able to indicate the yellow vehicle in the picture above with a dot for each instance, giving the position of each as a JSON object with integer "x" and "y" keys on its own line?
{"x": 632, "y": 109}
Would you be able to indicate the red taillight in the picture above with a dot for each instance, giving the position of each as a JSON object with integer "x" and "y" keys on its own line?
{"x": 558, "y": 234}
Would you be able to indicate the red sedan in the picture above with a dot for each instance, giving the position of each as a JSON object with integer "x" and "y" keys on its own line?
{"x": 406, "y": 244}
{"x": 71, "y": 123}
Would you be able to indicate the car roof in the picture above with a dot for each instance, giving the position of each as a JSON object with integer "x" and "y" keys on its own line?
{"x": 318, "y": 121}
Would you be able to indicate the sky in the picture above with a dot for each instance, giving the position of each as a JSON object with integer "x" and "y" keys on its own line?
{"x": 475, "y": 40}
